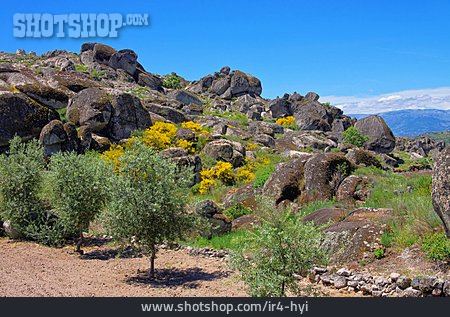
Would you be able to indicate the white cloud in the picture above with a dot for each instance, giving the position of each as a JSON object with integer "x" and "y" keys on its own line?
{"x": 437, "y": 98}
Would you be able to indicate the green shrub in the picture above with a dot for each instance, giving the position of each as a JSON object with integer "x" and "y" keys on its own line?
{"x": 172, "y": 82}
{"x": 279, "y": 248}
{"x": 237, "y": 211}
{"x": 96, "y": 74}
{"x": 437, "y": 247}
{"x": 20, "y": 183}
{"x": 379, "y": 254}
{"x": 147, "y": 201}
{"x": 77, "y": 190}
{"x": 354, "y": 136}
{"x": 262, "y": 174}
{"x": 81, "y": 68}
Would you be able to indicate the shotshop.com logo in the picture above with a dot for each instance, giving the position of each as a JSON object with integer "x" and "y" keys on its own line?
{"x": 74, "y": 25}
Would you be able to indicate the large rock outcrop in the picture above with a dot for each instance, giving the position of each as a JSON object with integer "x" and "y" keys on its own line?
{"x": 287, "y": 182}
{"x": 228, "y": 84}
{"x": 227, "y": 151}
{"x": 22, "y": 116}
{"x": 441, "y": 187}
{"x": 116, "y": 116}
{"x": 324, "y": 173}
{"x": 381, "y": 138}
{"x": 91, "y": 107}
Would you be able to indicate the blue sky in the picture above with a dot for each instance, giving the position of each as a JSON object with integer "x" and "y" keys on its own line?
{"x": 356, "y": 49}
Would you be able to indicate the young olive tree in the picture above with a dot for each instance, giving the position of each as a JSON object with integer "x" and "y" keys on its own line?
{"x": 77, "y": 190}
{"x": 20, "y": 182}
{"x": 147, "y": 204}
{"x": 279, "y": 248}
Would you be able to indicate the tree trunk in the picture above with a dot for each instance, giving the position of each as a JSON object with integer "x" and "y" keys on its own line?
{"x": 80, "y": 242}
{"x": 282, "y": 288}
{"x": 152, "y": 263}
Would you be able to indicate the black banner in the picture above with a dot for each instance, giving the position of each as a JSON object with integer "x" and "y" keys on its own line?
{"x": 348, "y": 307}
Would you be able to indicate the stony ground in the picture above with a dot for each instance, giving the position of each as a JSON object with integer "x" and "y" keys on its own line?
{"x": 28, "y": 269}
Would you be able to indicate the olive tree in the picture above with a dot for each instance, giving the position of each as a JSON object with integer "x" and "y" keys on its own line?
{"x": 77, "y": 190}
{"x": 281, "y": 247}
{"x": 147, "y": 203}
{"x": 20, "y": 183}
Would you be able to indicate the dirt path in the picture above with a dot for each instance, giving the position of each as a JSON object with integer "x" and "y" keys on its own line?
{"x": 28, "y": 269}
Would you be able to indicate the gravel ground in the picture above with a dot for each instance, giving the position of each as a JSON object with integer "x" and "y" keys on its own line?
{"x": 28, "y": 269}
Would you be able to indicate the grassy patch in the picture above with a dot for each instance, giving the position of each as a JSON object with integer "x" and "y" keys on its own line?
{"x": 410, "y": 199}
{"x": 81, "y": 68}
{"x": 316, "y": 205}
{"x": 232, "y": 115}
{"x": 264, "y": 171}
{"x": 140, "y": 92}
{"x": 230, "y": 241}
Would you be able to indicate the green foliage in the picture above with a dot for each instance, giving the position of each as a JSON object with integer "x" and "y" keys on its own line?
{"x": 237, "y": 116}
{"x": 264, "y": 171}
{"x": 81, "y": 68}
{"x": 370, "y": 170}
{"x": 386, "y": 239}
{"x": 207, "y": 161}
{"x": 262, "y": 174}
{"x": 279, "y": 248}
{"x": 437, "y": 247}
{"x": 307, "y": 150}
{"x": 96, "y": 74}
{"x": 378, "y": 254}
{"x": 62, "y": 114}
{"x": 355, "y": 137}
{"x": 409, "y": 163}
{"x": 237, "y": 211}
{"x": 172, "y": 82}
{"x": 229, "y": 241}
{"x": 410, "y": 199}
{"x": 20, "y": 181}
{"x": 140, "y": 92}
{"x": 77, "y": 189}
{"x": 147, "y": 200}
{"x": 316, "y": 205}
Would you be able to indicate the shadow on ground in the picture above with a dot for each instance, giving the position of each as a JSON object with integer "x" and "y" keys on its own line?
{"x": 107, "y": 254}
{"x": 187, "y": 278}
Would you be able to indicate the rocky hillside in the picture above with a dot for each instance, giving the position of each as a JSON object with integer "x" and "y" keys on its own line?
{"x": 104, "y": 95}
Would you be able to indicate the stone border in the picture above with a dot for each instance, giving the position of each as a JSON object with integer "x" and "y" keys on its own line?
{"x": 395, "y": 285}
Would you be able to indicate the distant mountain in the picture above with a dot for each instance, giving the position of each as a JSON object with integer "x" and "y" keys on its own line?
{"x": 414, "y": 122}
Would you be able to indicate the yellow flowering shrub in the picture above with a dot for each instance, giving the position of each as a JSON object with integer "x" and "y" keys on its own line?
{"x": 251, "y": 147}
{"x": 287, "y": 121}
{"x": 169, "y": 129}
{"x": 187, "y": 145}
{"x": 159, "y": 136}
{"x": 191, "y": 125}
{"x": 224, "y": 172}
{"x": 207, "y": 181}
{"x": 245, "y": 175}
{"x": 113, "y": 154}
